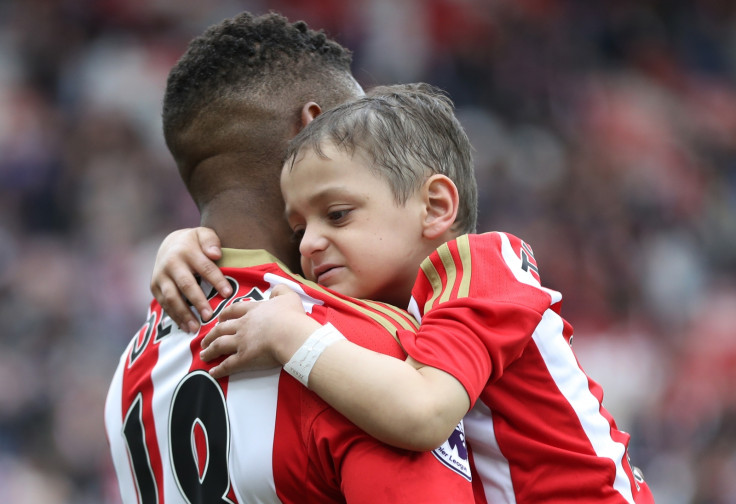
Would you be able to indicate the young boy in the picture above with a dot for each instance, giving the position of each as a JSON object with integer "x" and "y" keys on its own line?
{"x": 373, "y": 189}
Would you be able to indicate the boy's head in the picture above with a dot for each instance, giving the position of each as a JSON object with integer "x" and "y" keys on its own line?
{"x": 370, "y": 190}
{"x": 239, "y": 94}
{"x": 407, "y": 132}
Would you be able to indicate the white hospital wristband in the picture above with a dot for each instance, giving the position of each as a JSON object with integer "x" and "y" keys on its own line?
{"x": 302, "y": 362}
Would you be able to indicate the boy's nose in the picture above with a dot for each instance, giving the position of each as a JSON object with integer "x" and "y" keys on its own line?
{"x": 312, "y": 241}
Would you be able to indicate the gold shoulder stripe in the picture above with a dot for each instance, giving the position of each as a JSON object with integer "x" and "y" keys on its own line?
{"x": 441, "y": 290}
{"x": 406, "y": 322}
{"x": 463, "y": 248}
{"x": 434, "y": 280}
{"x": 450, "y": 270}
{"x": 379, "y": 312}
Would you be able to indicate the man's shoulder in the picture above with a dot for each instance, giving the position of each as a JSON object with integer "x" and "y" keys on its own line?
{"x": 249, "y": 258}
{"x": 371, "y": 324}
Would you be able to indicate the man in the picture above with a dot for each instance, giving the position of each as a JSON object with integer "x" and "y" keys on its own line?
{"x": 241, "y": 91}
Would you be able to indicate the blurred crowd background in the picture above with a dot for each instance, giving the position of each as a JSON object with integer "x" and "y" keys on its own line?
{"x": 605, "y": 136}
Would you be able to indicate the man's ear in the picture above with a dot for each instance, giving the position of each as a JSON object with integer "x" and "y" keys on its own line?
{"x": 441, "y": 201}
{"x": 310, "y": 110}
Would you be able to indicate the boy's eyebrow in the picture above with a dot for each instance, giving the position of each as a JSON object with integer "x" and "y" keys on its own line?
{"x": 321, "y": 195}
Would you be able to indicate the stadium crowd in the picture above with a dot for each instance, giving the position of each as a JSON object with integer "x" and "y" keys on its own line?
{"x": 605, "y": 135}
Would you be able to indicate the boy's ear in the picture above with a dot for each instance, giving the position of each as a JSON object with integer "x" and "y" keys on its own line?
{"x": 441, "y": 201}
{"x": 310, "y": 110}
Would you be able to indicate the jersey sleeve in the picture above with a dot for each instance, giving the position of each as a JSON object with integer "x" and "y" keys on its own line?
{"x": 368, "y": 471}
{"x": 479, "y": 300}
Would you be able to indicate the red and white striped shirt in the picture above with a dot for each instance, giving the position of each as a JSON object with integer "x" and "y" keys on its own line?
{"x": 537, "y": 431}
{"x": 178, "y": 436}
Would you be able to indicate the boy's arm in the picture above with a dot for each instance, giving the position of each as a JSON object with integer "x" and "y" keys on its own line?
{"x": 369, "y": 471}
{"x": 183, "y": 254}
{"x": 401, "y": 403}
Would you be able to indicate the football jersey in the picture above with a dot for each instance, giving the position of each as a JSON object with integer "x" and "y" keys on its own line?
{"x": 179, "y": 436}
{"x": 537, "y": 430}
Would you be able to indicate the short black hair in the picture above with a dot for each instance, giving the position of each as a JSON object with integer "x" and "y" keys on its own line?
{"x": 252, "y": 56}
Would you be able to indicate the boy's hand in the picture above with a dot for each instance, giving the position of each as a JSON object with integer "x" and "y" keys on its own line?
{"x": 183, "y": 254}
{"x": 258, "y": 334}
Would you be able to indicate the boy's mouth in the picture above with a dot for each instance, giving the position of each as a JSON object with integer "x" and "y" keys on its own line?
{"x": 324, "y": 272}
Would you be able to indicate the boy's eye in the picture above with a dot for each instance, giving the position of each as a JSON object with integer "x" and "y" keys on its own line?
{"x": 337, "y": 215}
{"x": 297, "y": 235}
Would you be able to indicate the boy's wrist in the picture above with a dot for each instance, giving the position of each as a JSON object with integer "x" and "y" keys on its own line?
{"x": 301, "y": 363}
{"x": 293, "y": 338}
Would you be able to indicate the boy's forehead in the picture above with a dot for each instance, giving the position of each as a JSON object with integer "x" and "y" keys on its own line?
{"x": 325, "y": 150}
{"x": 315, "y": 172}
{"x": 312, "y": 168}
{"x": 305, "y": 161}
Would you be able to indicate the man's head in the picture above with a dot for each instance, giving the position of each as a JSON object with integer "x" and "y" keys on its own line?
{"x": 236, "y": 97}
{"x": 407, "y": 133}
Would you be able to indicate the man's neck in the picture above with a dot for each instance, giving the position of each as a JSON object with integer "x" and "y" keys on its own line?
{"x": 247, "y": 230}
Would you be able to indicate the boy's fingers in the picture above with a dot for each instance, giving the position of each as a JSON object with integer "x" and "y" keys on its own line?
{"x": 211, "y": 336}
{"x": 176, "y": 307}
{"x": 219, "y": 331}
{"x": 236, "y": 310}
{"x": 172, "y": 302}
{"x": 212, "y": 274}
{"x": 208, "y": 354}
{"x": 280, "y": 290}
{"x": 223, "y": 369}
{"x": 216, "y": 372}
{"x": 222, "y": 345}
{"x": 209, "y": 242}
{"x": 188, "y": 287}
{"x": 229, "y": 366}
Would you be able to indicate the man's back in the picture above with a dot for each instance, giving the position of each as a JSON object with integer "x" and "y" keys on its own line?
{"x": 177, "y": 435}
